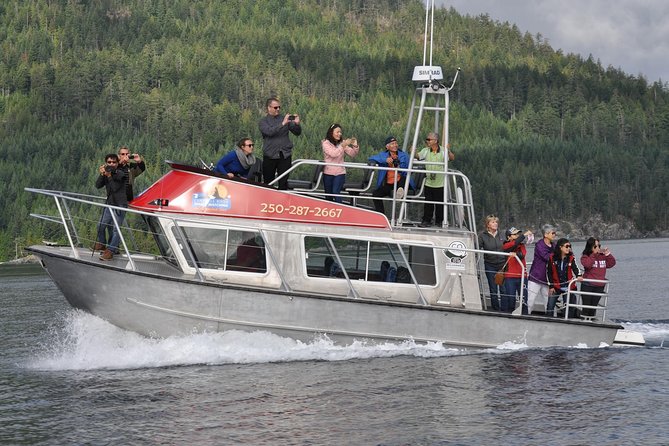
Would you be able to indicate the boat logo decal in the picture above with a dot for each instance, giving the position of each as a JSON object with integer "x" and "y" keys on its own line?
{"x": 455, "y": 254}
{"x": 215, "y": 198}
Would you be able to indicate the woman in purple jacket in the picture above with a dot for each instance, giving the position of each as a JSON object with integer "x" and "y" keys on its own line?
{"x": 538, "y": 285}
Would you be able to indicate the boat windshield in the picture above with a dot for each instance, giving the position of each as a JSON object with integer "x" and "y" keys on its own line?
{"x": 223, "y": 248}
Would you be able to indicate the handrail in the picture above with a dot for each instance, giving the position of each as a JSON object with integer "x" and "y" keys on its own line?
{"x": 450, "y": 199}
{"x": 73, "y": 197}
{"x": 579, "y": 293}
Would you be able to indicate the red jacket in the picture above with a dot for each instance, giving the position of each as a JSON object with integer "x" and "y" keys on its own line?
{"x": 513, "y": 269}
{"x": 571, "y": 270}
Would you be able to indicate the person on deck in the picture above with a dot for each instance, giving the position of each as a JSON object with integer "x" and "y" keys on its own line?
{"x": 237, "y": 162}
{"x": 491, "y": 240}
{"x": 334, "y": 150}
{"x": 132, "y": 167}
{"x": 390, "y": 181}
{"x": 277, "y": 146}
{"x": 435, "y": 157}
{"x": 562, "y": 269}
{"x": 113, "y": 180}
{"x": 538, "y": 285}
{"x": 515, "y": 270}
{"x": 595, "y": 260}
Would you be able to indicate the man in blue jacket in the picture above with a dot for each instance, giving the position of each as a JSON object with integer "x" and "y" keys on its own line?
{"x": 391, "y": 180}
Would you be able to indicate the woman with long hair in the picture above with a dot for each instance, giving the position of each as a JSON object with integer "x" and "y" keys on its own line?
{"x": 595, "y": 260}
{"x": 334, "y": 150}
{"x": 561, "y": 269}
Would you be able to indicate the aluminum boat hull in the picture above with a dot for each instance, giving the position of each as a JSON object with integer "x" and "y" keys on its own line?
{"x": 160, "y": 306}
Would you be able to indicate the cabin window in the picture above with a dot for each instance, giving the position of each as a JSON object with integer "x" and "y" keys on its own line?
{"x": 224, "y": 249}
{"x": 161, "y": 240}
{"x": 370, "y": 261}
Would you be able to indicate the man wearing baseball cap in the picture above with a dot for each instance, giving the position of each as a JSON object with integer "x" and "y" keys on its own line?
{"x": 390, "y": 181}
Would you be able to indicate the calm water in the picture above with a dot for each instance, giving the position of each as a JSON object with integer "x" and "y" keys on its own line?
{"x": 70, "y": 378}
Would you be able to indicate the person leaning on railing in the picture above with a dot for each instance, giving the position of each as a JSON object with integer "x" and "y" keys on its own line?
{"x": 595, "y": 260}
{"x": 561, "y": 270}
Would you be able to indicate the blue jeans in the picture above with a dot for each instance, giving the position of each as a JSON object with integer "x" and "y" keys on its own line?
{"x": 511, "y": 290}
{"x": 107, "y": 224}
{"x": 552, "y": 300}
{"x": 495, "y": 290}
{"x": 333, "y": 184}
{"x": 550, "y": 306}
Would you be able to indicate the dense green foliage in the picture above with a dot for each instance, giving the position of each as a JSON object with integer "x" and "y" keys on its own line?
{"x": 541, "y": 135}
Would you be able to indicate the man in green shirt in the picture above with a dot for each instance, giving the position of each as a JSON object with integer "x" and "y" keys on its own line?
{"x": 434, "y": 157}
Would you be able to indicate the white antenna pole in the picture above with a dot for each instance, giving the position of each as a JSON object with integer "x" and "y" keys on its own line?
{"x": 431, "y": 31}
{"x": 427, "y": 72}
{"x": 427, "y": 10}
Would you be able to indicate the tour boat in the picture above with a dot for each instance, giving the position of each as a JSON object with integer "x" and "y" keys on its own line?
{"x": 201, "y": 252}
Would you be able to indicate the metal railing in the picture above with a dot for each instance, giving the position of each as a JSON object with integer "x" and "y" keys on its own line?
{"x": 579, "y": 301}
{"x": 458, "y": 201}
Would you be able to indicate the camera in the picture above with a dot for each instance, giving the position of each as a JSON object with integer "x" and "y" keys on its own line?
{"x": 396, "y": 162}
{"x": 291, "y": 117}
{"x": 109, "y": 169}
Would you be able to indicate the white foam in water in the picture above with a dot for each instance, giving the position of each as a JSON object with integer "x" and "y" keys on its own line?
{"x": 656, "y": 333}
{"x": 86, "y": 342}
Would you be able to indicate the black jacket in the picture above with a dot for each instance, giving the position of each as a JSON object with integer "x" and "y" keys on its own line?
{"x": 115, "y": 185}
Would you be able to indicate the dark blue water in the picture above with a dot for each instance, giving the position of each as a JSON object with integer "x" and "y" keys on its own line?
{"x": 70, "y": 378}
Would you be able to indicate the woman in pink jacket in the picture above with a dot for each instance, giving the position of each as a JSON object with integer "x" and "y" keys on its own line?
{"x": 595, "y": 260}
{"x": 334, "y": 149}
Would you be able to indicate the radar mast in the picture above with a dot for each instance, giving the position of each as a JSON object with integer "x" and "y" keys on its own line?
{"x": 431, "y": 96}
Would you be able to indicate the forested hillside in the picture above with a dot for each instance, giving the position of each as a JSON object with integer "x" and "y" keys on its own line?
{"x": 542, "y": 135}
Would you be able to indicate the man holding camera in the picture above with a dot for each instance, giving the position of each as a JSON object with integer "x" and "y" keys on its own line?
{"x": 390, "y": 181}
{"x": 277, "y": 146}
{"x": 112, "y": 178}
{"x": 132, "y": 167}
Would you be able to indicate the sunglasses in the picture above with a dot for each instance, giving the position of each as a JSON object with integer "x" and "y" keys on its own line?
{"x": 430, "y": 139}
{"x": 112, "y": 162}
{"x": 249, "y": 145}
{"x": 568, "y": 246}
{"x": 597, "y": 246}
{"x": 278, "y": 107}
